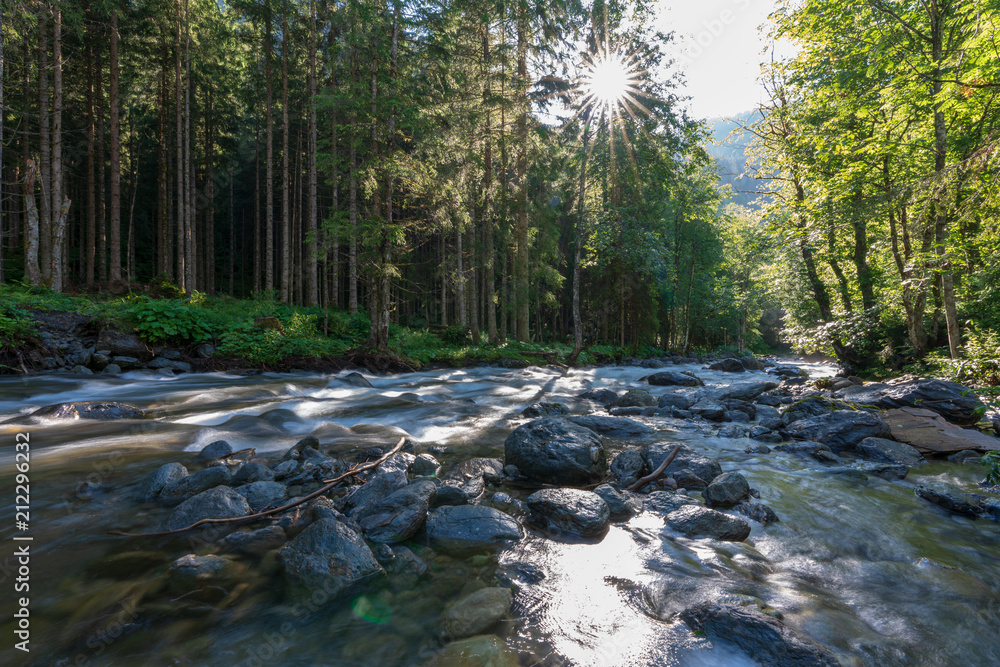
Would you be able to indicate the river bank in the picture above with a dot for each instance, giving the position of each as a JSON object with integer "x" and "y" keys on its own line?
{"x": 858, "y": 566}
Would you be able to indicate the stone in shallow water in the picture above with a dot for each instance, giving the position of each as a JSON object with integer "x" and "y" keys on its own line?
{"x": 469, "y": 529}
{"x": 634, "y": 398}
{"x": 545, "y": 410}
{"x": 615, "y": 427}
{"x": 329, "y": 557}
{"x": 618, "y": 503}
{"x": 186, "y": 487}
{"x": 698, "y": 521}
{"x": 884, "y": 470}
{"x": 191, "y": 571}
{"x": 100, "y": 410}
{"x": 221, "y": 502}
{"x": 570, "y": 512}
{"x": 256, "y": 541}
{"x": 726, "y": 490}
{"x": 949, "y": 497}
{"x": 840, "y": 430}
{"x": 400, "y": 515}
{"x": 215, "y": 450}
{"x": 476, "y": 613}
{"x": 758, "y": 512}
{"x": 889, "y": 451}
{"x": 149, "y": 489}
{"x": 762, "y": 637}
{"x": 673, "y": 378}
{"x": 262, "y": 494}
{"x": 954, "y": 402}
{"x": 478, "y": 651}
{"x": 627, "y": 467}
{"x": 687, "y": 464}
{"x": 556, "y": 451}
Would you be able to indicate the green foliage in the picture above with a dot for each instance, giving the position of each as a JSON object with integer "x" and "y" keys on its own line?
{"x": 16, "y": 328}
{"x": 168, "y": 321}
{"x": 456, "y": 334}
{"x": 992, "y": 462}
{"x": 162, "y": 287}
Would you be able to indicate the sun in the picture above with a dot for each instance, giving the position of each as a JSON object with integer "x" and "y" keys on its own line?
{"x": 608, "y": 80}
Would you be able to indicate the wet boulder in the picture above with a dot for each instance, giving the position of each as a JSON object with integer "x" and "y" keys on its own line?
{"x": 665, "y": 502}
{"x": 263, "y": 494}
{"x": 813, "y": 406}
{"x": 215, "y": 450}
{"x": 698, "y": 521}
{"x": 177, "y": 366}
{"x": 759, "y": 512}
{"x": 400, "y": 515}
{"x": 889, "y": 451}
{"x": 150, "y": 487}
{"x": 469, "y": 529}
{"x": 734, "y": 431}
{"x": 220, "y": 502}
{"x": 618, "y": 503}
{"x": 634, "y": 398}
{"x": 100, "y": 410}
{"x": 785, "y": 371}
{"x": 627, "y": 467}
{"x": 956, "y": 403}
{"x": 759, "y": 635}
{"x": 948, "y": 496}
{"x": 556, "y": 451}
{"x": 890, "y": 471}
{"x": 253, "y": 471}
{"x": 126, "y": 363}
{"x": 256, "y": 542}
{"x": 709, "y": 409}
{"x": 752, "y": 363}
{"x": 191, "y": 572}
{"x": 425, "y": 464}
{"x": 191, "y": 485}
{"x": 327, "y": 556}
{"x": 840, "y": 430}
{"x": 614, "y": 427}
{"x": 570, "y": 511}
{"x": 358, "y": 502}
{"x": 356, "y": 379}
{"x": 513, "y": 364}
{"x": 679, "y": 400}
{"x": 673, "y": 378}
{"x": 726, "y": 490}
{"x": 688, "y": 464}
{"x": 727, "y": 366}
{"x": 545, "y": 410}
{"x": 476, "y": 613}
{"x": 603, "y": 396}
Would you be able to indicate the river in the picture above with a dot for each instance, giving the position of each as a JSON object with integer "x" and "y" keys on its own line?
{"x": 867, "y": 568}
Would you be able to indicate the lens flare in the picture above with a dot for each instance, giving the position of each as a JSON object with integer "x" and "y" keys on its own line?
{"x": 608, "y": 80}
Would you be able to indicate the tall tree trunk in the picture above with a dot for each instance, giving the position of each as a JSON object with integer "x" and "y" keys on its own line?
{"x": 165, "y": 255}
{"x": 116, "y": 176}
{"x": 578, "y": 241}
{"x": 521, "y": 258}
{"x": 45, "y": 151}
{"x": 210, "y": 192}
{"x": 286, "y": 193}
{"x": 31, "y": 270}
{"x": 181, "y": 206}
{"x": 312, "y": 288}
{"x": 460, "y": 300}
{"x": 352, "y": 253}
{"x": 91, "y": 249}
{"x": 190, "y": 224}
{"x": 1, "y": 142}
{"x": 489, "y": 284}
{"x": 102, "y": 218}
{"x": 842, "y": 286}
{"x": 269, "y": 162}
{"x": 59, "y": 209}
{"x": 866, "y": 280}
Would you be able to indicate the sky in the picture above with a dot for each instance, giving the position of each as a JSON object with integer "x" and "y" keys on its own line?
{"x": 720, "y": 50}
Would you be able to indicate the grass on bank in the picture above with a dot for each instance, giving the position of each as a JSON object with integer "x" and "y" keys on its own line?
{"x": 165, "y": 316}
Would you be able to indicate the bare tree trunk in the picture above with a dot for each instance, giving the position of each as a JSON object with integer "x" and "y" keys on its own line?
{"x": 190, "y": 225}
{"x": 269, "y": 163}
{"x": 91, "y": 250}
{"x": 165, "y": 255}
{"x": 181, "y": 206}
{"x": 210, "y": 193}
{"x": 45, "y": 152}
{"x": 1, "y": 141}
{"x": 232, "y": 233}
{"x": 116, "y": 176}
{"x": 578, "y": 241}
{"x": 488, "y": 250}
{"x": 312, "y": 290}
{"x": 31, "y": 269}
{"x": 286, "y": 192}
{"x": 521, "y": 258}
{"x": 58, "y": 212}
{"x": 102, "y": 247}
{"x": 352, "y": 253}
{"x": 463, "y": 318}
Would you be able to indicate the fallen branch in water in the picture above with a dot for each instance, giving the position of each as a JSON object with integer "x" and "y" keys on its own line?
{"x": 277, "y": 510}
{"x": 540, "y": 485}
{"x": 656, "y": 473}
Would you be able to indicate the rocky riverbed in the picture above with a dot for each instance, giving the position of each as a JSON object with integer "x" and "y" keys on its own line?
{"x": 668, "y": 512}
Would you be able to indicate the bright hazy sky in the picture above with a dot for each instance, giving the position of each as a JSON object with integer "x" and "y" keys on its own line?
{"x": 720, "y": 50}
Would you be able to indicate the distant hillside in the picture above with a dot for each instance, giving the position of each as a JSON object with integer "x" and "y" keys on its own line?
{"x": 729, "y": 150}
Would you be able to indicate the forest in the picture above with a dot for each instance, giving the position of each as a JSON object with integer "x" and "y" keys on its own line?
{"x": 464, "y": 166}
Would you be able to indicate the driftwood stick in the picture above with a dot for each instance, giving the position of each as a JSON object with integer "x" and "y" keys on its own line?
{"x": 656, "y": 473}
{"x": 277, "y": 510}
{"x": 533, "y": 485}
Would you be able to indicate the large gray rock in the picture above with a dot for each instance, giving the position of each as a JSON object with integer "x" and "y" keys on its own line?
{"x": 727, "y": 366}
{"x": 253, "y": 471}
{"x": 840, "y": 430}
{"x": 759, "y": 512}
{"x": 150, "y": 487}
{"x": 627, "y": 467}
{"x": 126, "y": 363}
{"x": 679, "y": 400}
{"x": 673, "y": 378}
{"x": 746, "y": 391}
{"x": 813, "y": 406}
{"x": 613, "y": 427}
{"x": 221, "y": 502}
{"x": 890, "y": 471}
{"x": 556, "y": 451}
{"x": 634, "y": 398}
{"x": 949, "y": 497}
{"x": 192, "y": 572}
{"x": 179, "y": 366}
{"x": 100, "y": 410}
{"x": 476, "y": 613}
{"x": 400, "y": 515}
{"x": 954, "y": 402}
{"x": 889, "y": 451}
{"x": 708, "y": 409}
{"x": 256, "y": 542}
{"x": 726, "y": 490}
{"x": 186, "y": 487}
{"x": 698, "y": 521}
{"x": 687, "y": 464}
{"x": 357, "y": 379}
{"x": 374, "y": 490}
{"x": 545, "y": 410}
{"x": 327, "y": 556}
{"x": 762, "y": 637}
{"x": 570, "y": 511}
{"x": 215, "y": 450}
{"x": 618, "y": 503}
{"x": 603, "y": 396}
{"x": 262, "y": 494}
{"x": 470, "y": 529}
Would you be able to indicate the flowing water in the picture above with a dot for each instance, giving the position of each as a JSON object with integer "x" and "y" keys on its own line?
{"x": 867, "y": 568}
